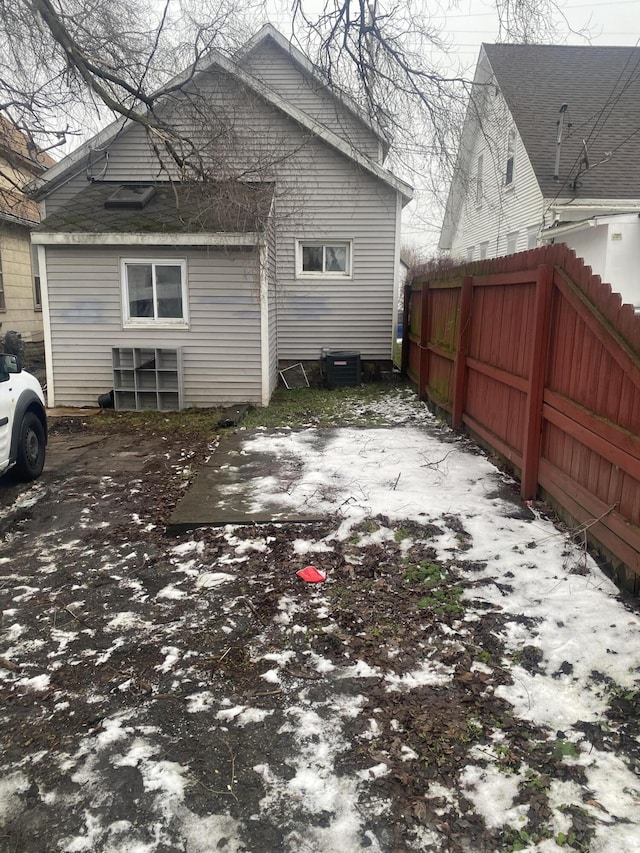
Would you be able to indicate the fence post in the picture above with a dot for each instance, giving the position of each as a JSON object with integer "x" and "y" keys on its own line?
{"x": 406, "y": 315}
{"x": 462, "y": 343}
{"x": 537, "y": 377}
{"x": 423, "y": 373}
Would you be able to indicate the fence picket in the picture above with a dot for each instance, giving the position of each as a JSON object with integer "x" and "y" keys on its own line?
{"x": 582, "y": 355}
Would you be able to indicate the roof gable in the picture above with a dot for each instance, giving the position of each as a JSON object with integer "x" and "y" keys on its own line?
{"x": 601, "y": 86}
{"x": 71, "y": 164}
{"x": 268, "y": 33}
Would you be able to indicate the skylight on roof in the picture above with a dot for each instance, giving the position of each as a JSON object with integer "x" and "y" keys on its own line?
{"x": 131, "y": 196}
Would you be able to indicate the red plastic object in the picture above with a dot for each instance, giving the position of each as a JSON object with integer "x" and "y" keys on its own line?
{"x": 311, "y": 575}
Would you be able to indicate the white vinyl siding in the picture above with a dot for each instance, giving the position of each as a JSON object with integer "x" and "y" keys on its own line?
{"x": 320, "y": 193}
{"x": 270, "y": 64}
{"x": 355, "y": 313}
{"x": 506, "y": 207}
{"x": 220, "y": 351}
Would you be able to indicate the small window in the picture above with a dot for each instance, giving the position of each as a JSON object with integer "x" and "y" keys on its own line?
{"x": 512, "y": 243}
{"x": 323, "y": 260}
{"x": 511, "y": 157}
{"x": 470, "y": 253}
{"x": 479, "y": 176}
{"x": 3, "y": 305}
{"x": 154, "y": 293}
{"x": 35, "y": 267}
{"x": 532, "y": 237}
{"x": 484, "y": 248}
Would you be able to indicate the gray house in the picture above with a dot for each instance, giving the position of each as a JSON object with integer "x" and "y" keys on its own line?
{"x": 185, "y": 290}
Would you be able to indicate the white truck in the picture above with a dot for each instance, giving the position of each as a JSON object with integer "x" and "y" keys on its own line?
{"x": 23, "y": 420}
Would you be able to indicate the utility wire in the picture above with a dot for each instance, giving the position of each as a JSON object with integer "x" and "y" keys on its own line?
{"x": 610, "y": 101}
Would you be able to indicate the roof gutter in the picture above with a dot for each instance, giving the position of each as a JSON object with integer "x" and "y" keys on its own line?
{"x": 562, "y": 230}
{"x": 18, "y": 220}
{"x": 605, "y": 206}
{"x": 221, "y": 238}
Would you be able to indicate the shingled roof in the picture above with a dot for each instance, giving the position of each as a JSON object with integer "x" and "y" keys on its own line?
{"x": 181, "y": 208}
{"x": 601, "y": 86}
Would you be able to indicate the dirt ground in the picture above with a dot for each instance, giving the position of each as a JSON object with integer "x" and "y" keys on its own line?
{"x": 113, "y": 713}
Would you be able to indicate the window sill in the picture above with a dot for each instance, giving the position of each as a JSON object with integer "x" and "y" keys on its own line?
{"x": 156, "y": 325}
{"x": 319, "y": 276}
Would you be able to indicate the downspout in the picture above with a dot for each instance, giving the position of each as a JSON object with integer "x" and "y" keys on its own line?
{"x": 263, "y": 261}
{"x": 46, "y": 325}
{"x": 396, "y": 272}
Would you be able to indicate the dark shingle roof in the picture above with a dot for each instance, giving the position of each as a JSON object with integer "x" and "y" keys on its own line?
{"x": 601, "y": 86}
{"x": 187, "y": 208}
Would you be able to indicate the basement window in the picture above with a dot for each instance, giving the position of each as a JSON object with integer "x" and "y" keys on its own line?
{"x": 131, "y": 196}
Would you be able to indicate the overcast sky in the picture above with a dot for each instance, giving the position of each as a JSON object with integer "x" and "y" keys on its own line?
{"x": 472, "y": 22}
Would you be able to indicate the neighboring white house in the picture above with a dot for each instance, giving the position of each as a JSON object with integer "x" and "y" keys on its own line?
{"x": 550, "y": 152}
{"x": 181, "y": 292}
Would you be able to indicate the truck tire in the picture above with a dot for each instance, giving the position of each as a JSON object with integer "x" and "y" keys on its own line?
{"x": 31, "y": 448}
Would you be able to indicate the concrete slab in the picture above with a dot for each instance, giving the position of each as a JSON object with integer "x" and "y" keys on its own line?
{"x": 222, "y": 493}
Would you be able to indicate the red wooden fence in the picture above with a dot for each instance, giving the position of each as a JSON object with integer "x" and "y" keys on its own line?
{"x": 541, "y": 361}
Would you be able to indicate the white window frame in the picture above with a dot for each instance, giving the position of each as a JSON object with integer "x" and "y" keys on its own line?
{"x": 346, "y": 244}
{"x": 36, "y": 279}
{"x": 479, "y": 179}
{"x": 510, "y": 179}
{"x": 129, "y": 322}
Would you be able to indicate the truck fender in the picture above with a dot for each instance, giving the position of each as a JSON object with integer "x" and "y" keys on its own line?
{"x": 27, "y": 401}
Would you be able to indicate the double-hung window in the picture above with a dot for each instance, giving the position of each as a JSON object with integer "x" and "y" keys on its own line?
{"x": 319, "y": 259}
{"x": 154, "y": 293}
{"x": 35, "y": 268}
